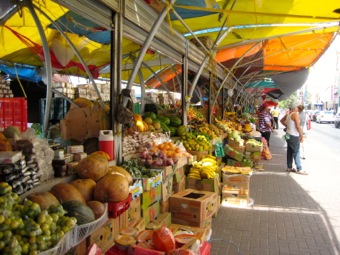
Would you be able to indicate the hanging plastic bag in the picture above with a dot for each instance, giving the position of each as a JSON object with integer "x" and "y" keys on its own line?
{"x": 125, "y": 113}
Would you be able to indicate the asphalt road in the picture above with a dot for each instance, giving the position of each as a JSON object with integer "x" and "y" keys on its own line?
{"x": 322, "y": 153}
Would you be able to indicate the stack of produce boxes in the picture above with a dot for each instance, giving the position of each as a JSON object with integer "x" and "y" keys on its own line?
{"x": 253, "y": 149}
{"x": 235, "y": 185}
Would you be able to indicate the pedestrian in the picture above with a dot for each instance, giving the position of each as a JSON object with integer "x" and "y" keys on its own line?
{"x": 265, "y": 122}
{"x": 303, "y": 123}
{"x": 294, "y": 136}
{"x": 275, "y": 114}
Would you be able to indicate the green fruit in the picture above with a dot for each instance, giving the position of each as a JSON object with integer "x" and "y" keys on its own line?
{"x": 80, "y": 211}
{"x": 175, "y": 121}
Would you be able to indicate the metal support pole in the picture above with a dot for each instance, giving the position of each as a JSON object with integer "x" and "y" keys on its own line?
{"x": 48, "y": 66}
{"x": 185, "y": 85}
{"x": 230, "y": 71}
{"x": 82, "y": 61}
{"x": 142, "y": 90}
{"x": 115, "y": 78}
{"x": 147, "y": 43}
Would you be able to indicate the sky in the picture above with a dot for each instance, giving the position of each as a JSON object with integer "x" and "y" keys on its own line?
{"x": 323, "y": 74}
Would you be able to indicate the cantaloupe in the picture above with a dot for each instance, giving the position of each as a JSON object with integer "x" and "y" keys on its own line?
{"x": 85, "y": 187}
{"x": 112, "y": 188}
{"x": 92, "y": 167}
{"x": 66, "y": 192}
{"x": 97, "y": 207}
{"x": 44, "y": 199}
{"x": 121, "y": 170}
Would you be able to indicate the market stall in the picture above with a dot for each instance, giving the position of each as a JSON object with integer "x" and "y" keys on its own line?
{"x": 163, "y": 173}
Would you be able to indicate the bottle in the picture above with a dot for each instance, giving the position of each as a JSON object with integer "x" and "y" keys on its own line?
{"x": 106, "y": 142}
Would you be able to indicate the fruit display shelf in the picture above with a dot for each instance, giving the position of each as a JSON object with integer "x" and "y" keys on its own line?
{"x": 77, "y": 235}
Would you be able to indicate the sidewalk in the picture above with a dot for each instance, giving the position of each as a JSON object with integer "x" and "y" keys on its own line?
{"x": 284, "y": 218}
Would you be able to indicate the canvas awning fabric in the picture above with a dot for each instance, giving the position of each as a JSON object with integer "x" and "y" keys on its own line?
{"x": 261, "y": 39}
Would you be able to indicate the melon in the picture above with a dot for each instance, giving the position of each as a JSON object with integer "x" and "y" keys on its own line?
{"x": 85, "y": 187}
{"x": 121, "y": 170}
{"x": 44, "y": 199}
{"x": 80, "y": 211}
{"x": 97, "y": 207}
{"x": 163, "y": 239}
{"x": 112, "y": 188}
{"x": 92, "y": 167}
{"x": 67, "y": 192}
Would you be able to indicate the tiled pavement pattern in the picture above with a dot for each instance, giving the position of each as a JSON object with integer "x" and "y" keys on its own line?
{"x": 284, "y": 218}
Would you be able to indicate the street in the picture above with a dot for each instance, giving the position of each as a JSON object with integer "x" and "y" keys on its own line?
{"x": 322, "y": 153}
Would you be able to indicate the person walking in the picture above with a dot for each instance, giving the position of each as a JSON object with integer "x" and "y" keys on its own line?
{"x": 294, "y": 136}
{"x": 275, "y": 114}
{"x": 303, "y": 124}
{"x": 265, "y": 122}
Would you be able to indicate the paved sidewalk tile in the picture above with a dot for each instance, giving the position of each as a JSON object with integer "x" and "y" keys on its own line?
{"x": 283, "y": 219}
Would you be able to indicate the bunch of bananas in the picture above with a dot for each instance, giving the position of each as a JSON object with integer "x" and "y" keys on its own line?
{"x": 204, "y": 169}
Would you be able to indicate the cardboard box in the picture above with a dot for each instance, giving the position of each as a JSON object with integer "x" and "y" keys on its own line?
{"x": 164, "y": 219}
{"x": 203, "y": 224}
{"x": 164, "y": 206}
{"x": 152, "y": 182}
{"x": 166, "y": 171}
{"x": 180, "y": 186}
{"x": 178, "y": 174}
{"x": 130, "y": 217}
{"x": 237, "y": 181}
{"x": 136, "y": 189}
{"x": 167, "y": 188}
{"x": 140, "y": 225}
{"x": 180, "y": 163}
{"x": 202, "y": 233}
{"x": 212, "y": 185}
{"x": 105, "y": 235}
{"x": 235, "y": 201}
{"x": 234, "y": 154}
{"x": 151, "y": 196}
{"x": 151, "y": 213}
{"x": 193, "y": 205}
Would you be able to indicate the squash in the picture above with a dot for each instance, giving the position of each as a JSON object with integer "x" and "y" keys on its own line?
{"x": 163, "y": 239}
{"x": 137, "y": 117}
{"x": 92, "y": 167}
{"x": 101, "y": 154}
{"x": 80, "y": 211}
{"x": 98, "y": 208}
{"x": 44, "y": 199}
{"x": 85, "y": 187}
{"x": 121, "y": 170}
{"x": 112, "y": 188}
{"x": 66, "y": 192}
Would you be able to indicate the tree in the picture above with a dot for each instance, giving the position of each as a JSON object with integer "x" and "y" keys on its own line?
{"x": 293, "y": 99}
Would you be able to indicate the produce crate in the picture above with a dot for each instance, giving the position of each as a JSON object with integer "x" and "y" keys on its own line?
{"x": 13, "y": 112}
{"x": 116, "y": 209}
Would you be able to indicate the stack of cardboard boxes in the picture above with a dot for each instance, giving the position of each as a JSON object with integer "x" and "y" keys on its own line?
{"x": 162, "y": 201}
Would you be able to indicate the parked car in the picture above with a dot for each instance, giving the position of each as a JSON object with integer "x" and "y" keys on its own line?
{"x": 337, "y": 120}
{"x": 325, "y": 116}
{"x": 314, "y": 114}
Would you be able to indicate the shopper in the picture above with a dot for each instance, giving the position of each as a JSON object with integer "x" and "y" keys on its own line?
{"x": 294, "y": 136}
{"x": 265, "y": 122}
{"x": 303, "y": 123}
{"x": 275, "y": 114}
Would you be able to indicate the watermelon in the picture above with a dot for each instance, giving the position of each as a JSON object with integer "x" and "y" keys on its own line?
{"x": 150, "y": 115}
{"x": 164, "y": 127}
{"x": 172, "y": 130}
{"x": 175, "y": 121}
{"x": 163, "y": 119}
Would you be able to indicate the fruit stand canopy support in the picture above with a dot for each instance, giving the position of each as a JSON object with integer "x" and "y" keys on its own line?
{"x": 268, "y": 39}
